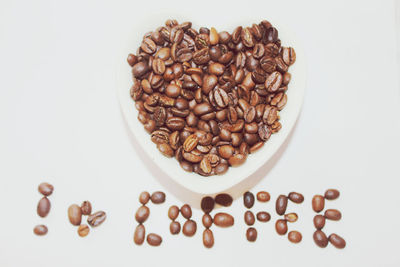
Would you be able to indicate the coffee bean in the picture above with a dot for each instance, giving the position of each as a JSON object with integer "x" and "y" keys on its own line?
{"x": 332, "y": 194}
{"x": 281, "y": 204}
{"x": 75, "y": 214}
{"x": 132, "y": 59}
{"x": 223, "y": 219}
{"x": 264, "y": 132}
{"x": 248, "y": 199}
{"x": 320, "y": 239}
{"x": 86, "y": 208}
{"x": 97, "y": 218}
{"x": 139, "y": 235}
{"x": 332, "y": 214}
{"x": 208, "y": 238}
{"x": 189, "y": 228}
{"x": 288, "y": 55}
{"x": 40, "y": 229}
{"x": 45, "y": 189}
{"x": 337, "y": 241}
{"x": 175, "y": 227}
{"x": 250, "y": 114}
{"x": 226, "y": 151}
{"x": 43, "y": 207}
{"x": 296, "y": 197}
{"x": 249, "y": 218}
{"x": 237, "y": 160}
{"x": 166, "y": 150}
{"x": 295, "y": 236}
{"x": 173, "y": 212}
{"x": 281, "y": 227}
{"x": 158, "y": 197}
{"x": 263, "y": 196}
{"x": 263, "y": 216}
{"x": 318, "y": 203}
{"x": 273, "y": 82}
{"x": 221, "y": 168}
{"x": 251, "y": 234}
{"x": 216, "y": 69}
{"x": 224, "y": 200}
{"x": 148, "y": 46}
{"x": 214, "y": 37}
{"x": 291, "y": 217}
{"x": 140, "y": 69}
{"x": 186, "y": 211}
{"x": 154, "y": 240}
{"x": 268, "y": 64}
{"x": 207, "y": 220}
{"x": 83, "y": 230}
{"x": 142, "y": 214}
{"x": 221, "y": 97}
{"x": 319, "y": 222}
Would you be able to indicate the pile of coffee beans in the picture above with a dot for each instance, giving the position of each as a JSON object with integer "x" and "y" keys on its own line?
{"x": 75, "y": 213}
{"x": 318, "y": 205}
{"x": 210, "y": 98}
{"x": 43, "y": 207}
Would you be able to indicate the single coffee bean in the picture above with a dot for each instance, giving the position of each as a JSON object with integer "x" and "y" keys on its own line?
{"x": 296, "y": 197}
{"x": 216, "y": 69}
{"x": 337, "y": 241}
{"x": 332, "y": 214}
{"x": 263, "y": 196}
{"x": 295, "y": 236}
{"x": 248, "y": 200}
{"x": 175, "y": 227}
{"x": 148, "y": 46}
{"x": 96, "y": 218}
{"x": 251, "y": 234}
{"x": 332, "y": 194}
{"x": 132, "y": 60}
{"x": 202, "y": 109}
{"x": 140, "y": 69}
{"x": 281, "y": 227}
{"x": 45, "y": 189}
{"x": 75, "y": 214}
{"x": 86, "y": 208}
{"x": 166, "y": 150}
{"x": 173, "y": 212}
{"x": 319, "y": 221}
{"x": 263, "y": 216}
{"x": 291, "y": 217}
{"x": 139, "y": 235}
{"x": 189, "y": 228}
{"x": 224, "y": 200}
{"x": 40, "y": 229}
{"x": 144, "y": 197}
{"x": 207, "y": 204}
{"x": 43, "y": 207}
{"x": 318, "y": 203}
{"x": 221, "y": 168}
{"x": 158, "y": 197}
{"x": 288, "y": 55}
{"x": 83, "y": 230}
{"x": 186, "y": 211}
{"x": 273, "y": 82}
{"x": 320, "y": 239}
{"x": 223, "y": 219}
{"x": 249, "y": 218}
{"x": 281, "y": 204}
{"x": 142, "y": 214}
{"x": 154, "y": 240}
{"x": 207, "y": 220}
{"x": 208, "y": 238}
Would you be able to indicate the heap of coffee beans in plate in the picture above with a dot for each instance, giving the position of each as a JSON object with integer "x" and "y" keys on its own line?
{"x": 210, "y": 98}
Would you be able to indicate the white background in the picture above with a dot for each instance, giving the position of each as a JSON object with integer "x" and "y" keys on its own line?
{"x": 61, "y": 123}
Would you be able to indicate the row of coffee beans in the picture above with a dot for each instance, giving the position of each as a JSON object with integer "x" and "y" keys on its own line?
{"x": 43, "y": 207}
{"x": 210, "y": 98}
{"x": 75, "y": 213}
{"x": 318, "y": 205}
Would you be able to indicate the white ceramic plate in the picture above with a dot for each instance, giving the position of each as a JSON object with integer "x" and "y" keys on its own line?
{"x": 172, "y": 169}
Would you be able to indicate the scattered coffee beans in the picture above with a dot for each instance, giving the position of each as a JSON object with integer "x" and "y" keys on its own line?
{"x": 75, "y": 214}
{"x": 142, "y": 214}
{"x": 43, "y": 207}
{"x": 86, "y": 208}
{"x": 281, "y": 227}
{"x": 175, "y": 227}
{"x": 318, "y": 203}
{"x": 263, "y": 196}
{"x": 224, "y": 200}
{"x": 263, "y": 216}
{"x": 208, "y": 238}
{"x": 96, "y": 218}
{"x": 332, "y": 194}
{"x": 248, "y": 200}
{"x": 332, "y": 214}
{"x": 40, "y": 229}
{"x": 337, "y": 241}
{"x": 158, "y": 197}
{"x": 249, "y": 218}
{"x": 139, "y": 235}
{"x": 281, "y": 204}
{"x": 295, "y": 236}
{"x": 154, "y": 240}
{"x": 320, "y": 239}
{"x": 319, "y": 221}
{"x": 296, "y": 197}
{"x": 186, "y": 211}
{"x": 189, "y": 228}
{"x": 144, "y": 197}
{"x": 173, "y": 212}
{"x": 207, "y": 204}
{"x": 83, "y": 230}
{"x": 251, "y": 234}
{"x": 223, "y": 219}
{"x": 45, "y": 189}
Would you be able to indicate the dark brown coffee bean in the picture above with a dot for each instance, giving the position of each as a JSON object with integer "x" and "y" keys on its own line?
{"x": 281, "y": 227}
{"x": 251, "y": 234}
{"x": 166, "y": 150}
{"x": 270, "y": 115}
{"x": 173, "y": 212}
{"x": 263, "y": 216}
{"x": 221, "y": 98}
{"x": 201, "y": 56}
{"x": 280, "y": 65}
{"x": 175, "y": 228}
{"x": 319, "y": 222}
{"x": 281, "y": 204}
{"x": 45, "y": 189}
{"x": 208, "y": 238}
{"x": 248, "y": 199}
{"x": 237, "y": 160}
{"x": 184, "y": 55}
{"x": 186, "y": 211}
{"x": 43, "y": 207}
{"x": 249, "y": 114}
{"x": 221, "y": 168}
{"x": 158, "y": 66}
{"x": 268, "y": 64}
{"x": 216, "y": 69}
{"x": 159, "y": 115}
{"x": 202, "y": 109}
{"x": 175, "y": 123}
{"x": 264, "y": 132}
{"x": 207, "y": 204}
{"x": 163, "y": 54}
{"x": 247, "y": 37}
{"x": 176, "y": 35}
{"x": 224, "y": 200}
{"x": 142, "y": 214}
{"x": 320, "y": 239}
{"x": 173, "y": 90}
{"x": 258, "y": 50}
{"x": 148, "y": 46}
{"x": 226, "y": 151}
{"x": 207, "y": 220}
{"x": 318, "y": 203}
{"x": 291, "y": 217}
{"x": 139, "y": 235}
{"x": 158, "y": 197}
{"x": 154, "y": 240}
{"x": 295, "y": 237}
{"x": 189, "y": 228}
{"x": 288, "y": 55}
{"x": 273, "y": 82}
{"x": 333, "y": 214}
{"x": 337, "y": 241}
{"x": 223, "y": 219}
{"x": 96, "y": 218}
{"x": 83, "y": 230}
{"x": 249, "y": 218}
{"x": 263, "y": 196}
{"x": 40, "y": 229}
{"x": 296, "y": 197}
{"x": 86, "y": 208}
{"x": 75, "y": 214}
{"x": 214, "y": 37}
{"x": 332, "y": 194}
{"x": 132, "y": 59}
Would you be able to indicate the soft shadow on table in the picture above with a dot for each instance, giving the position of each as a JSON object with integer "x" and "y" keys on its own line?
{"x": 193, "y": 198}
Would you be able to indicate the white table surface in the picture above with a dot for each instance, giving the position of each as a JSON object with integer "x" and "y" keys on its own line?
{"x": 61, "y": 123}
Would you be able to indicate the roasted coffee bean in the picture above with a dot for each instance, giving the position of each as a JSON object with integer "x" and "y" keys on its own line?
{"x": 158, "y": 197}
{"x": 96, "y": 218}
{"x": 214, "y": 37}
{"x": 249, "y": 218}
{"x": 43, "y": 207}
{"x": 221, "y": 168}
{"x": 166, "y": 150}
{"x": 207, "y": 204}
{"x": 45, "y": 189}
{"x": 132, "y": 59}
{"x": 83, "y": 230}
{"x": 291, "y": 217}
{"x": 40, "y": 229}
{"x": 221, "y": 98}
{"x": 140, "y": 69}
{"x": 280, "y": 65}
{"x": 139, "y": 235}
{"x": 264, "y": 132}
{"x": 186, "y": 211}
{"x": 249, "y": 114}
{"x": 256, "y": 147}
{"x": 175, "y": 228}
{"x": 207, "y": 220}
{"x": 154, "y": 240}
{"x": 189, "y": 228}
{"x": 216, "y": 69}
{"x": 288, "y": 55}
{"x": 223, "y": 219}
{"x": 268, "y": 64}
{"x": 320, "y": 239}
{"x": 190, "y": 143}
{"x": 319, "y": 221}
{"x": 281, "y": 227}
{"x": 273, "y": 82}
{"x": 318, "y": 203}
{"x": 248, "y": 200}
{"x": 148, "y": 46}
{"x": 332, "y": 214}
{"x": 86, "y": 208}
{"x": 295, "y": 236}
{"x": 263, "y": 216}
{"x": 75, "y": 214}
{"x": 208, "y": 238}
{"x": 237, "y": 160}
{"x": 337, "y": 241}
{"x": 263, "y": 196}
{"x": 173, "y": 212}
{"x": 296, "y": 197}
{"x": 202, "y": 109}
{"x": 332, "y": 194}
{"x": 251, "y": 234}
{"x": 142, "y": 214}
{"x": 226, "y": 151}
{"x": 281, "y": 204}
{"x": 224, "y": 200}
